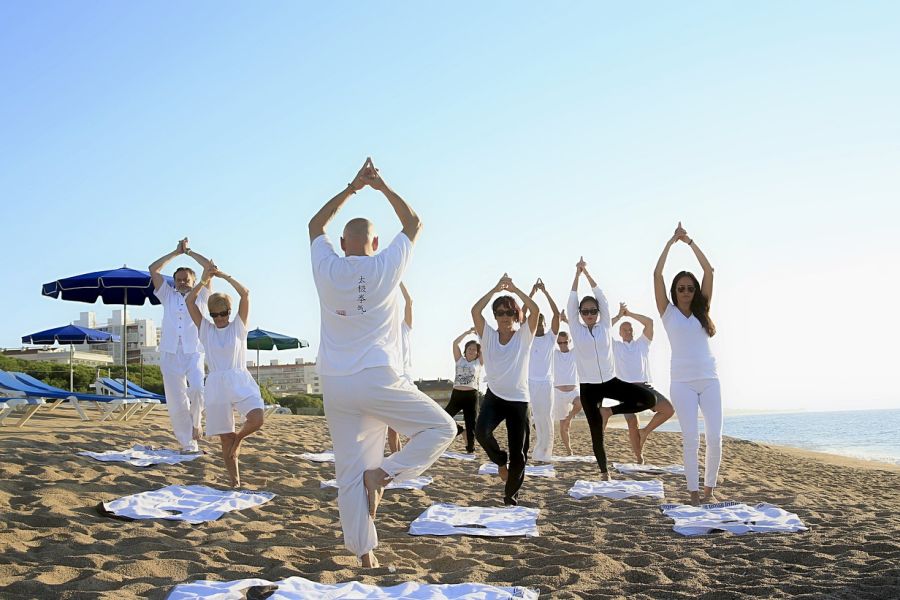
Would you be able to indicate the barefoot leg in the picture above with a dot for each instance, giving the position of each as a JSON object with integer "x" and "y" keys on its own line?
{"x": 634, "y": 437}
{"x": 228, "y": 440}
{"x": 368, "y": 560}
{"x": 374, "y": 481}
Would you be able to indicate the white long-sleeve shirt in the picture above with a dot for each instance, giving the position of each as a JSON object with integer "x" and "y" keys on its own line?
{"x": 592, "y": 347}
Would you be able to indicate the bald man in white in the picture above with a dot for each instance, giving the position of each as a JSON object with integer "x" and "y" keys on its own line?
{"x": 360, "y": 363}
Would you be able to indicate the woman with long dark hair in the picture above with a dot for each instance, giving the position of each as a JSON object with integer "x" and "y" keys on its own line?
{"x": 596, "y": 367}
{"x": 464, "y": 396}
{"x": 695, "y": 381}
{"x": 506, "y": 351}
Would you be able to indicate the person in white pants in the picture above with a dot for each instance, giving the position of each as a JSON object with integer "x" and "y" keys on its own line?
{"x": 181, "y": 353}
{"x": 229, "y": 385}
{"x": 633, "y": 365}
{"x": 360, "y": 363}
{"x": 566, "y": 399}
{"x": 695, "y": 381}
{"x": 540, "y": 378}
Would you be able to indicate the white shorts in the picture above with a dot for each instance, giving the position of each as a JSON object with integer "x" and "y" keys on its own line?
{"x": 562, "y": 402}
{"x": 227, "y": 391}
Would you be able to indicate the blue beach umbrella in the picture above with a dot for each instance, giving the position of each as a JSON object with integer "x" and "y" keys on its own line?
{"x": 259, "y": 339}
{"x": 117, "y": 286}
{"x": 70, "y": 334}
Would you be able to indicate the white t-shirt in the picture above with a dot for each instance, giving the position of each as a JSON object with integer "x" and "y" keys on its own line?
{"x": 177, "y": 325}
{"x": 592, "y": 348}
{"x": 540, "y": 364}
{"x": 468, "y": 374}
{"x": 692, "y": 358}
{"x": 361, "y": 307}
{"x": 406, "y": 349}
{"x": 564, "y": 372}
{"x": 506, "y": 366}
{"x": 226, "y": 348}
{"x": 633, "y": 360}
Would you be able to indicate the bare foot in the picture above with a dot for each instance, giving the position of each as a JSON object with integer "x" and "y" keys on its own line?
{"x": 197, "y": 434}
{"x": 374, "y": 482}
{"x": 236, "y": 447}
{"x": 639, "y": 459}
{"x": 605, "y": 414}
{"x": 569, "y": 452}
{"x": 368, "y": 560}
{"x": 709, "y": 496}
{"x": 503, "y": 472}
{"x": 695, "y": 498}
{"x": 605, "y": 477}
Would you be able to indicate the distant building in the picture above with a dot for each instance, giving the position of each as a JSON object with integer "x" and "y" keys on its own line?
{"x": 290, "y": 378}
{"x": 142, "y": 338}
{"x": 61, "y": 354}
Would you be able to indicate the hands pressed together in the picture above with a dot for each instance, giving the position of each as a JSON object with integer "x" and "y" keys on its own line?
{"x": 368, "y": 176}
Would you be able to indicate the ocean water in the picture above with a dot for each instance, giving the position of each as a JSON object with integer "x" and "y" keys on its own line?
{"x": 864, "y": 434}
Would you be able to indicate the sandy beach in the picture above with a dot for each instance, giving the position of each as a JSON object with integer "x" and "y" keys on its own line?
{"x": 54, "y": 544}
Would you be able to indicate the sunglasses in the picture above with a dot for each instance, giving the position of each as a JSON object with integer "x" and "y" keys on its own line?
{"x": 505, "y": 313}
{"x": 682, "y": 289}
{"x": 563, "y": 343}
{"x": 224, "y": 313}
{"x": 589, "y": 311}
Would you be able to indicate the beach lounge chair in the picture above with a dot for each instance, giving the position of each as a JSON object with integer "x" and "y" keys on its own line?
{"x": 23, "y": 384}
{"x": 108, "y": 385}
{"x": 11, "y": 404}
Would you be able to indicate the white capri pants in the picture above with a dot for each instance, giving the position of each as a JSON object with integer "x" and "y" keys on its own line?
{"x": 183, "y": 383}
{"x": 562, "y": 402}
{"x": 359, "y": 408}
{"x": 227, "y": 391}
{"x": 687, "y": 397}
{"x": 541, "y": 395}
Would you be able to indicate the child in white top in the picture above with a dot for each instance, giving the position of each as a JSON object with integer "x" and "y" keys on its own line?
{"x": 229, "y": 384}
{"x": 695, "y": 382}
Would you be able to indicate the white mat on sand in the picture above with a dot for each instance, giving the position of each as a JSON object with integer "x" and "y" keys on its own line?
{"x": 617, "y": 489}
{"x": 450, "y": 519}
{"x": 298, "y": 588}
{"x": 315, "y": 456}
{"x": 585, "y": 458}
{"x": 530, "y": 470}
{"x": 191, "y": 503}
{"x": 633, "y": 468}
{"x": 410, "y": 484}
{"x": 458, "y": 456}
{"x": 735, "y": 517}
{"x": 142, "y": 456}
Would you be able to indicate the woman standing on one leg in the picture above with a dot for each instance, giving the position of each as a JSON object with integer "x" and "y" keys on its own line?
{"x": 464, "y": 396}
{"x": 229, "y": 384}
{"x": 695, "y": 382}
{"x": 596, "y": 372}
{"x": 506, "y": 352}
{"x": 540, "y": 379}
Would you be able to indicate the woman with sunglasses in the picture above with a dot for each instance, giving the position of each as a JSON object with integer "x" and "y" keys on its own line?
{"x": 506, "y": 351}
{"x": 229, "y": 384}
{"x": 596, "y": 367}
{"x": 694, "y": 380}
{"x": 464, "y": 396}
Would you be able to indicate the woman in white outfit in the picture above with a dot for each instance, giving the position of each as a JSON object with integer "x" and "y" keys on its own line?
{"x": 229, "y": 384}
{"x": 464, "y": 396}
{"x": 695, "y": 382}
{"x": 540, "y": 379}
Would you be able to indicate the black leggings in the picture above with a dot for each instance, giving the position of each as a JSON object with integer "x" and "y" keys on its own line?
{"x": 495, "y": 410}
{"x": 466, "y": 401}
{"x": 634, "y": 398}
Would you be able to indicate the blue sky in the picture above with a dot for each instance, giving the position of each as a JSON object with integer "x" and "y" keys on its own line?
{"x": 525, "y": 135}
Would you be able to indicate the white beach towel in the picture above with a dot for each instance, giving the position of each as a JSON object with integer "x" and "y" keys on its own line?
{"x": 410, "y": 484}
{"x": 450, "y": 519}
{"x": 142, "y": 456}
{"x": 735, "y": 517}
{"x": 298, "y": 588}
{"x": 191, "y": 503}
{"x": 617, "y": 489}
{"x": 530, "y": 470}
{"x": 632, "y": 468}
{"x": 458, "y": 456}
{"x": 315, "y": 457}
{"x": 585, "y": 458}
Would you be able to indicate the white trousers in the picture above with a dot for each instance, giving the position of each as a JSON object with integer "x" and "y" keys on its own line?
{"x": 540, "y": 394}
{"x": 183, "y": 382}
{"x": 359, "y": 408}
{"x": 687, "y": 397}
